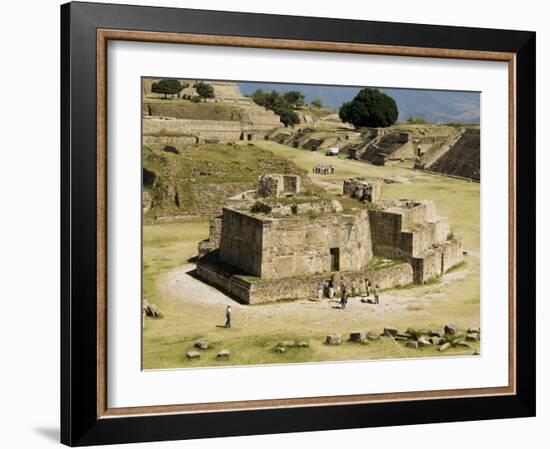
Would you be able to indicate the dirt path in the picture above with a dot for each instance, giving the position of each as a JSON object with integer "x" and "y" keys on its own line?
{"x": 181, "y": 286}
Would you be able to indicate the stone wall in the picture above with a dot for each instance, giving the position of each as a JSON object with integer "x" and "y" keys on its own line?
{"x": 369, "y": 191}
{"x": 230, "y": 284}
{"x": 296, "y": 288}
{"x": 274, "y": 185}
{"x": 170, "y": 140}
{"x": 262, "y": 291}
{"x": 301, "y": 247}
{"x": 385, "y": 230}
{"x": 213, "y": 241}
{"x": 407, "y": 232}
{"x": 452, "y": 254}
{"x": 414, "y": 243}
{"x": 437, "y": 260}
{"x": 427, "y": 267}
{"x": 241, "y": 241}
{"x": 207, "y": 129}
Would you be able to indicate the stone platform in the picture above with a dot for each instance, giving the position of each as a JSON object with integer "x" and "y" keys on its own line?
{"x": 254, "y": 290}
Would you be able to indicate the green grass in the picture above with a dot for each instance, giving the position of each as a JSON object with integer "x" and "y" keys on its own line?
{"x": 457, "y": 267}
{"x": 186, "y": 109}
{"x": 206, "y": 165}
{"x": 257, "y": 330}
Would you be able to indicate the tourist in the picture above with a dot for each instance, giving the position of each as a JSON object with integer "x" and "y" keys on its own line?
{"x": 331, "y": 288}
{"x": 368, "y": 285}
{"x": 343, "y": 293}
{"x": 320, "y": 291}
{"x": 228, "y": 317}
{"x": 376, "y": 294}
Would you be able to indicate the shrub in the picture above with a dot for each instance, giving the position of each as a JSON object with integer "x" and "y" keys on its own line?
{"x": 171, "y": 149}
{"x": 195, "y": 99}
{"x": 417, "y": 121}
{"x": 260, "y": 208}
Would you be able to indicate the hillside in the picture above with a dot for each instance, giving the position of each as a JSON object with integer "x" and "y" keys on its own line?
{"x": 196, "y": 179}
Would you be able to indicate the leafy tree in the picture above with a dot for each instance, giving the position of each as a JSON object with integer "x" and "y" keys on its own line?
{"x": 370, "y": 108}
{"x": 278, "y": 104}
{"x": 287, "y": 114}
{"x": 204, "y": 90}
{"x": 295, "y": 98}
{"x": 317, "y": 103}
{"x": 168, "y": 87}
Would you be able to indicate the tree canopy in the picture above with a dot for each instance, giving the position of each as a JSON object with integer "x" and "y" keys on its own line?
{"x": 317, "y": 103}
{"x": 295, "y": 98}
{"x": 204, "y": 90}
{"x": 370, "y": 108}
{"x": 278, "y": 104}
{"x": 168, "y": 87}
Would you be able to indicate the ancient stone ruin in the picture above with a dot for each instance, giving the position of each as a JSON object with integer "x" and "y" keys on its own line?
{"x": 247, "y": 123}
{"x": 275, "y": 244}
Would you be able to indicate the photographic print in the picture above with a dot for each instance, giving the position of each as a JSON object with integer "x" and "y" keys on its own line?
{"x": 298, "y": 223}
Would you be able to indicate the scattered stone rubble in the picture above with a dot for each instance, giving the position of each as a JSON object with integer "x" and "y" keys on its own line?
{"x": 443, "y": 339}
{"x": 151, "y": 310}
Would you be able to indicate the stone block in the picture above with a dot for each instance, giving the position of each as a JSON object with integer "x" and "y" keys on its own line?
{"x": 333, "y": 339}
{"x": 357, "y": 336}
{"x": 201, "y": 345}
{"x": 223, "y": 354}
{"x": 451, "y": 329}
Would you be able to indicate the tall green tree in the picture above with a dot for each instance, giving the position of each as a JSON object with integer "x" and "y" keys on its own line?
{"x": 295, "y": 98}
{"x": 168, "y": 87}
{"x": 204, "y": 90}
{"x": 370, "y": 108}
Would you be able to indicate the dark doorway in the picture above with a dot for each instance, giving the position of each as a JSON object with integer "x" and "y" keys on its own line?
{"x": 334, "y": 259}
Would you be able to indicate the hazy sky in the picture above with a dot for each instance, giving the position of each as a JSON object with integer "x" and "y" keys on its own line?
{"x": 437, "y": 106}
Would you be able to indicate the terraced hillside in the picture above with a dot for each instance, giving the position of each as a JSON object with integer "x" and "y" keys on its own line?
{"x": 463, "y": 158}
{"x": 195, "y": 180}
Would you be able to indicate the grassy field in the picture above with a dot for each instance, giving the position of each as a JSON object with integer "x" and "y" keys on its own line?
{"x": 185, "y": 109}
{"x": 192, "y": 310}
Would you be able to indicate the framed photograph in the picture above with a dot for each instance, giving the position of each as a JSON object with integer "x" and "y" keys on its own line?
{"x": 282, "y": 224}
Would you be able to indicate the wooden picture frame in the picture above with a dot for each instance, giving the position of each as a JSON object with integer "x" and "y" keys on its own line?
{"x": 86, "y": 29}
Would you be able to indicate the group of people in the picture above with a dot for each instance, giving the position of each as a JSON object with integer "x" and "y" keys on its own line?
{"x": 329, "y": 289}
{"x": 323, "y": 169}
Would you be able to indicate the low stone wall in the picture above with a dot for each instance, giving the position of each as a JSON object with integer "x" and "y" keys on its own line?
{"x": 213, "y": 242}
{"x": 229, "y": 284}
{"x": 262, "y": 291}
{"x": 427, "y": 267}
{"x": 206, "y": 129}
{"x": 169, "y": 140}
{"x": 452, "y": 254}
{"x": 437, "y": 261}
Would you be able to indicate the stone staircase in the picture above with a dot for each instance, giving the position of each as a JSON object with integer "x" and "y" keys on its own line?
{"x": 463, "y": 158}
